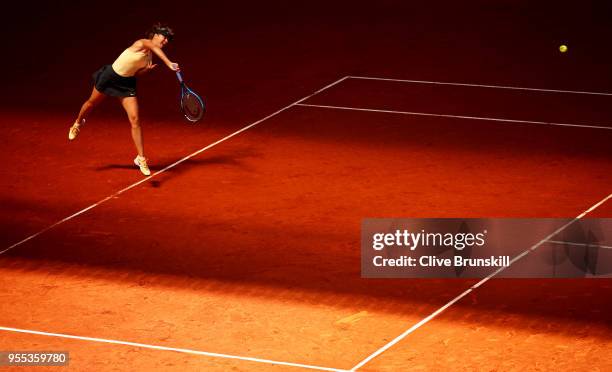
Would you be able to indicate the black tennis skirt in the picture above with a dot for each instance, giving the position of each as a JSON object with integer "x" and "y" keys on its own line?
{"x": 107, "y": 81}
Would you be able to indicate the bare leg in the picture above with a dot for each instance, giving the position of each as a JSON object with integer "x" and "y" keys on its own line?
{"x": 95, "y": 98}
{"x": 130, "y": 104}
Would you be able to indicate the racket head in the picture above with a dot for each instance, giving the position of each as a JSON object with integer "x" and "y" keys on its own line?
{"x": 192, "y": 105}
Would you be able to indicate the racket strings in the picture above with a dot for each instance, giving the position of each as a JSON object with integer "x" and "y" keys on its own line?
{"x": 192, "y": 106}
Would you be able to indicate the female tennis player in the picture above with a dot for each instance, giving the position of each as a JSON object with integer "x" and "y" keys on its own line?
{"x": 119, "y": 80}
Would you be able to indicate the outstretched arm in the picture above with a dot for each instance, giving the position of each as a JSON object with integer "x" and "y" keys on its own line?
{"x": 148, "y": 44}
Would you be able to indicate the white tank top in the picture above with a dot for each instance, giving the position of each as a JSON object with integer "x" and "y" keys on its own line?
{"x": 129, "y": 62}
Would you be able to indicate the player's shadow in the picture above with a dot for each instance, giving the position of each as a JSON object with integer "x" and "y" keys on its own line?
{"x": 233, "y": 160}
{"x": 189, "y": 163}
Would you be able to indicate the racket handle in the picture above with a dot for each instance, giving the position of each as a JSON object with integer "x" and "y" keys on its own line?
{"x": 179, "y": 76}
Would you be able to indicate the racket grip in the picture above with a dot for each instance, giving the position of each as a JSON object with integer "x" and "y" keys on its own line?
{"x": 179, "y": 76}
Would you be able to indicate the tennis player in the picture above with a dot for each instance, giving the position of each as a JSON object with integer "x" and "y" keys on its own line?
{"x": 119, "y": 80}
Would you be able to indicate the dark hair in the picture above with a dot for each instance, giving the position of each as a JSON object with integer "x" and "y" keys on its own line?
{"x": 162, "y": 29}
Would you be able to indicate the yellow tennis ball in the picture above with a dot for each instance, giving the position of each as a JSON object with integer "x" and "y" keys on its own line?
{"x": 563, "y": 48}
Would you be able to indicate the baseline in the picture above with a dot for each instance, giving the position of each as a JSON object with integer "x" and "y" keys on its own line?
{"x": 167, "y": 348}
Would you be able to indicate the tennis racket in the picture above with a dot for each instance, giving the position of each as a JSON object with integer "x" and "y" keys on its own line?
{"x": 192, "y": 105}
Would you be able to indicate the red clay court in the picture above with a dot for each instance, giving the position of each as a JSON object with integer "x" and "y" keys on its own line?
{"x": 242, "y": 251}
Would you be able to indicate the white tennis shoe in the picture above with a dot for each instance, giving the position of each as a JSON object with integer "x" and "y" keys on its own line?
{"x": 75, "y": 129}
{"x": 142, "y": 164}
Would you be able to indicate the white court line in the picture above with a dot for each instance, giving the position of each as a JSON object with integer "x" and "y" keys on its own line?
{"x": 481, "y": 282}
{"x": 347, "y": 108}
{"x": 166, "y": 348}
{"x": 482, "y": 86}
{"x": 579, "y": 244}
{"x": 169, "y": 166}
